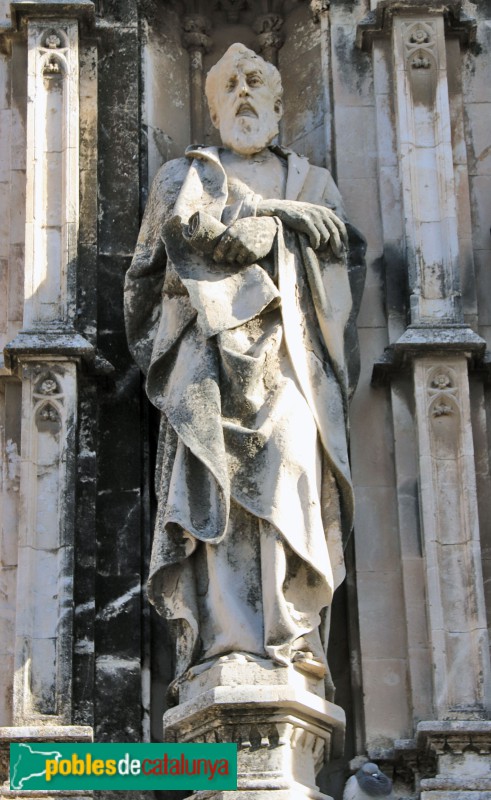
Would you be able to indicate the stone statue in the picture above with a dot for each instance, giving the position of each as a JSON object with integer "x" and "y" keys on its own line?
{"x": 241, "y": 303}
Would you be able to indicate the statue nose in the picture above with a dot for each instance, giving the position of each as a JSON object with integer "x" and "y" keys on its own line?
{"x": 243, "y": 89}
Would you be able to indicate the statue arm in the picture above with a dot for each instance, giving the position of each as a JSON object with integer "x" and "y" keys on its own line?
{"x": 320, "y": 223}
{"x": 320, "y": 215}
{"x": 249, "y": 239}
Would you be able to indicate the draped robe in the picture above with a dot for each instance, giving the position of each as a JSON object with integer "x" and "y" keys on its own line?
{"x": 252, "y": 369}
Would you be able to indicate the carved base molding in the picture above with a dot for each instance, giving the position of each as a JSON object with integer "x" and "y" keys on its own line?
{"x": 39, "y": 733}
{"x": 447, "y": 760}
{"x": 462, "y": 749}
{"x": 284, "y": 730}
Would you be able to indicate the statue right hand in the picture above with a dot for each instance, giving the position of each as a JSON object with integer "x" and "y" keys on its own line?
{"x": 319, "y": 223}
{"x": 247, "y": 240}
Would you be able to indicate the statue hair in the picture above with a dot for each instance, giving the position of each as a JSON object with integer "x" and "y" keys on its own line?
{"x": 234, "y": 55}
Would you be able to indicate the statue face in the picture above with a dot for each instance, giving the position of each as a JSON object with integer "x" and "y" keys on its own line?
{"x": 248, "y": 110}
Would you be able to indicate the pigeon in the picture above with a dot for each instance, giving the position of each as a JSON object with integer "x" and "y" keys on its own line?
{"x": 369, "y": 781}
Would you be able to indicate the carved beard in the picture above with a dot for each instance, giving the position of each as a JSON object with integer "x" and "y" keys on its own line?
{"x": 247, "y": 135}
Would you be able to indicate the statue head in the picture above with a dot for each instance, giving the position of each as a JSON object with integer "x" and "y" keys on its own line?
{"x": 244, "y": 96}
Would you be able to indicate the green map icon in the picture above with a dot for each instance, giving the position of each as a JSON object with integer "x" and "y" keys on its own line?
{"x": 29, "y": 762}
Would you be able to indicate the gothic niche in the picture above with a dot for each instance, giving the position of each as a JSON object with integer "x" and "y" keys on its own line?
{"x": 421, "y": 60}
{"x": 47, "y": 396}
{"x": 444, "y": 411}
{"x": 53, "y": 46}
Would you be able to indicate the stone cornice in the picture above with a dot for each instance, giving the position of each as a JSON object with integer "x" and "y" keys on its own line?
{"x": 421, "y": 340}
{"x": 22, "y": 10}
{"x": 58, "y": 344}
{"x": 379, "y": 22}
{"x": 82, "y": 9}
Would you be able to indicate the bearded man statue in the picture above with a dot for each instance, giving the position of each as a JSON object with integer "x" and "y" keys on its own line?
{"x": 241, "y": 303}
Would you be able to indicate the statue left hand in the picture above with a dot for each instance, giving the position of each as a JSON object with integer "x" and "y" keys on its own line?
{"x": 319, "y": 223}
{"x": 246, "y": 241}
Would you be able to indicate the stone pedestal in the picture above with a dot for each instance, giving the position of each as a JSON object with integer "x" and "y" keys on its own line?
{"x": 284, "y": 729}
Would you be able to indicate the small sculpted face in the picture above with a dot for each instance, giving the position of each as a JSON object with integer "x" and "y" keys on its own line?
{"x": 248, "y": 112}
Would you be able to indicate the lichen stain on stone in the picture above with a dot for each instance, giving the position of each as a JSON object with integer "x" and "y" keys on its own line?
{"x": 357, "y": 72}
{"x": 88, "y": 61}
{"x": 433, "y": 278}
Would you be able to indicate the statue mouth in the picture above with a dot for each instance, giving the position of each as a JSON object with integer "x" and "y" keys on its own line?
{"x": 246, "y": 110}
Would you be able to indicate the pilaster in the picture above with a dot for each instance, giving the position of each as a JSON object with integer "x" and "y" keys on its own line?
{"x": 452, "y": 553}
{"x": 44, "y": 356}
{"x": 420, "y": 207}
{"x": 425, "y": 150}
{"x": 52, "y": 172}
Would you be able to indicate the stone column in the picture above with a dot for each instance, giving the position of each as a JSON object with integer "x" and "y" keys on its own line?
{"x": 438, "y": 347}
{"x": 45, "y": 356}
{"x": 197, "y": 42}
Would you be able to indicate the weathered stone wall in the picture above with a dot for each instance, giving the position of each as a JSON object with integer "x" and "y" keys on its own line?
{"x": 342, "y": 110}
{"x": 118, "y": 627}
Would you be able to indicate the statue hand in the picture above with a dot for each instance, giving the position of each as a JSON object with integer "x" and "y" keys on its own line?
{"x": 319, "y": 223}
{"x": 246, "y": 241}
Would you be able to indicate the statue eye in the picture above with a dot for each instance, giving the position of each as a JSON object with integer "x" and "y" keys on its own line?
{"x": 231, "y": 84}
{"x": 254, "y": 80}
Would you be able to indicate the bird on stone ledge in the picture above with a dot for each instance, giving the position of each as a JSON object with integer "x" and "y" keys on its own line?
{"x": 369, "y": 781}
